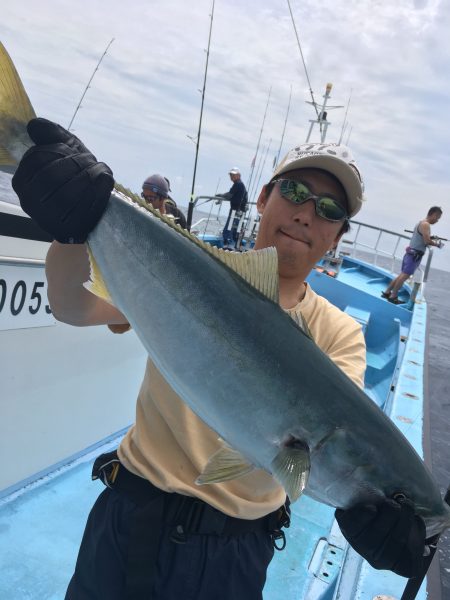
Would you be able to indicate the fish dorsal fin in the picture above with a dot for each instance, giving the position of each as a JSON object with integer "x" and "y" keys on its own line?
{"x": 291, "y": 468}
{"x": 15, "y": 112}
{"x": 96, "y": 284}
{"x": 259, "y": 268}
{"x": 224, "y": 465}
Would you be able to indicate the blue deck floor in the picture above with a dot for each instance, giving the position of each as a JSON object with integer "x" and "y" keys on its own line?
{"x": 41, "y": 531}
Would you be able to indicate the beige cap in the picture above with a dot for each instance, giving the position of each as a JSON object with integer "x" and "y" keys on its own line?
{"x": 334, "y": 158}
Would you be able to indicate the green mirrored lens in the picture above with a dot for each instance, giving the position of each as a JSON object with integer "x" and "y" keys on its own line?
{"x": 329, "y": 208}
{"x": 295, "y": 191}
{"x": 326, "y": 207}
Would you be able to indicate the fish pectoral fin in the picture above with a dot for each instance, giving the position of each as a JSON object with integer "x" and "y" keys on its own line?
{"x": 96, "y": 284}
{"x": 291, "y": 468}
{"x": 224, "y": 465}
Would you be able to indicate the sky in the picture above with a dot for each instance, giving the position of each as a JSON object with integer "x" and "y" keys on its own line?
{"x": 388, "y": 63}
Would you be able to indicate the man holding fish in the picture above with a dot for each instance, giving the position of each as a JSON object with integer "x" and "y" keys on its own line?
{"x": 155, "y": 532}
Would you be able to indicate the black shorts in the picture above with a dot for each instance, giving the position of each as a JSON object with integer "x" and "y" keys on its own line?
{"x": 198, "y": 567}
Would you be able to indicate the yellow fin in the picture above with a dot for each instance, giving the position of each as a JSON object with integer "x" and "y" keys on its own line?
{"x": 224, "y": 465}
{"x": 291, "y": 468}
{"x": 96, "y": 284}
{"x": 259, "y": 268}
{"x": 5, "y": 157}
{"x": 15, "y": 112}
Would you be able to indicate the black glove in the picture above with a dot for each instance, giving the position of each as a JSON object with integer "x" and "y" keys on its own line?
{"x": 389, "y": 536}
{"x": 60, "y": 184}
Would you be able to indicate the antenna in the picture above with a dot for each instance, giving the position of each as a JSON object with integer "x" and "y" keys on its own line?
{"x": 322, "y": 115}
{"x": 303, "y": 60}
{"x": 88, "y": 85}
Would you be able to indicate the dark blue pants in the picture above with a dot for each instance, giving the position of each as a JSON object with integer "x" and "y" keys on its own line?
{"x": 231, "y": 234}
{"x": 205, "y": 567}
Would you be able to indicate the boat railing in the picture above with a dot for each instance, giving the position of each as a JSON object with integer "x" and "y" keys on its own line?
{"x": 378, "y": 242}
{"x": 12, "y": 260}
{"x": 205, "y": 223}
{"x": 195, "y": 203}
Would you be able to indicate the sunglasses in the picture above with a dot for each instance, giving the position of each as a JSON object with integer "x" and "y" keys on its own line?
{"x": 150, "y": 198}
{"x": 298, "y": 193}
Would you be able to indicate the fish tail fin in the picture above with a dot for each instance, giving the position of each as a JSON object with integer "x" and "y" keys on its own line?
{"x": 15, "y": 112}
{"x": 96, "y": 284}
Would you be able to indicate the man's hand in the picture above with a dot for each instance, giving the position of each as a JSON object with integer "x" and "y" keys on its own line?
{"x": 389, "y": 536}
{"x": 60, "y": 184}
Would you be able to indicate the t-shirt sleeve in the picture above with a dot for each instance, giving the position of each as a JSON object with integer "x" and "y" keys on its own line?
{"x": 348, "y": 351}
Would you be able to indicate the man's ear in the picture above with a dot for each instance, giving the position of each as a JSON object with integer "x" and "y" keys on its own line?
{"x": 262, "y": 200}
{"x": 337, "y": 239}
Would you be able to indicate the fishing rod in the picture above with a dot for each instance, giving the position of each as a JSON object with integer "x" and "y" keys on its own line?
{"x": 89, "y": 84}
{"x": 348, "y": 137}
{"x": 256, "y": 187}
{"x": 197, "y": 145}
{"x": 277, "y": 158}
{"x": 211, "y": 207}
{"x": 259, "y": 141}
{"x": 344, "y": 123}
{"x": 433, "y": 237}
{"x": 251, "y": 188}
{"x": 414, "y": 584}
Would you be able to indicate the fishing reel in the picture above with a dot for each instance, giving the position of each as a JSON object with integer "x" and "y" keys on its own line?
{"x": 439, "y": 241}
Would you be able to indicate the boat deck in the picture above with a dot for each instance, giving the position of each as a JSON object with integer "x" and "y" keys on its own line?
{"x": 41, "y": 526}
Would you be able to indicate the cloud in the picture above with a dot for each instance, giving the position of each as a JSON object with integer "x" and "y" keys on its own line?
{"x": 144, "y": 101}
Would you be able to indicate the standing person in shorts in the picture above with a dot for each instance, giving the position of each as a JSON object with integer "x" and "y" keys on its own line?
{"x": 421, "y": 238}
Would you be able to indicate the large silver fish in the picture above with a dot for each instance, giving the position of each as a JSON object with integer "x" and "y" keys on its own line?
{"x": 211, "y": 322}
{"x": 249, "y": 371}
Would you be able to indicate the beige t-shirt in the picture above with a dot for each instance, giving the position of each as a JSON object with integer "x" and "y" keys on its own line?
{"x": 169, "y": 445}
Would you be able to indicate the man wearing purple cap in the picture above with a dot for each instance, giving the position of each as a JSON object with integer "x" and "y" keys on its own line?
{"x": 152, "y": 532}
{"x": 155, "y": 191}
